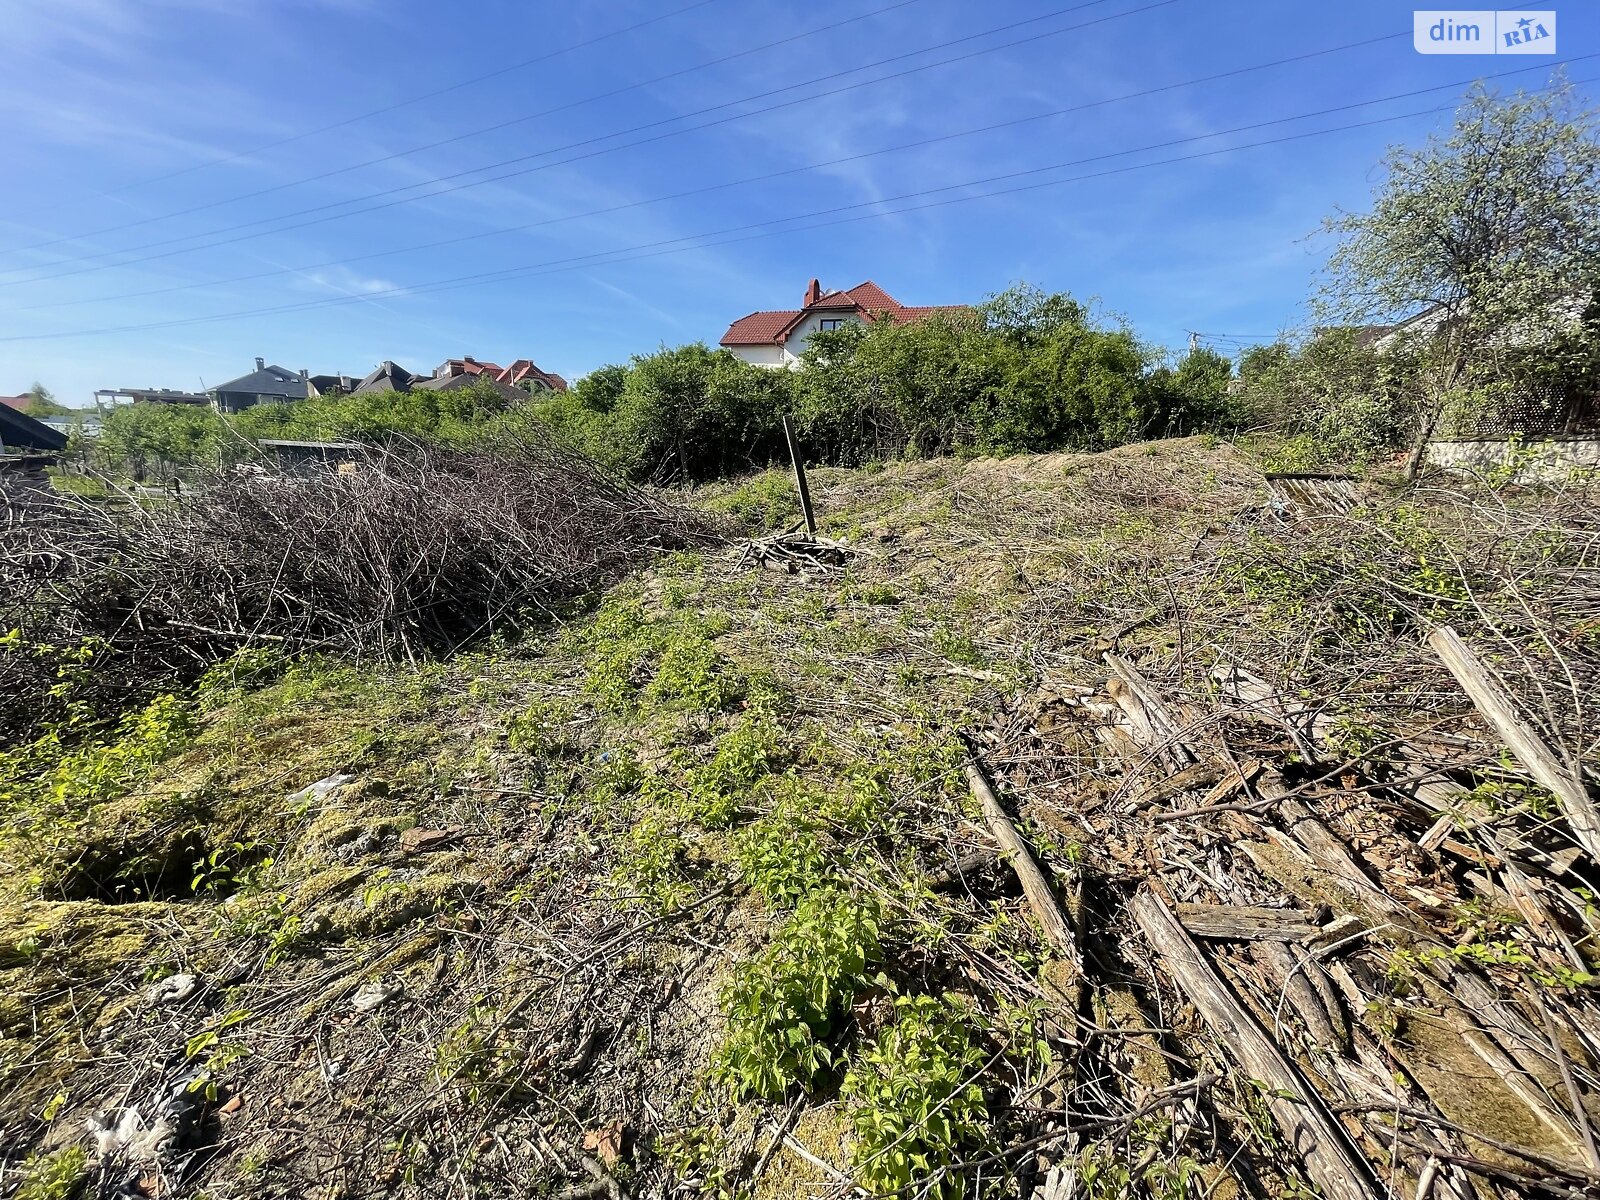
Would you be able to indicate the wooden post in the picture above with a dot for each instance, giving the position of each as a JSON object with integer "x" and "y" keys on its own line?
{"x": 800, "y": 477}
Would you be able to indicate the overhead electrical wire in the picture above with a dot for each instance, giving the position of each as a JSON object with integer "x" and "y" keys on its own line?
{"x": 763, "y": 178}
{"x": 786, "y": 225}
{"x": 481, "y": 77}
{"x": 323, "y": 208}
{"x": 827, "y": 27}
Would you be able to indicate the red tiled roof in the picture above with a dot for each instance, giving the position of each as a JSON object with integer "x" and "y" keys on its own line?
{"x": 467, "y": 366}
{"x": 873, "y": 298}
{"x": 760, "y": 328}
{"x": 525, "y": 368}
{"x": 17, "y": 402}
{"x": 868, "y": 299}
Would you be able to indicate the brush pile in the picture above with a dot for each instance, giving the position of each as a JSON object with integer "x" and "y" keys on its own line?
{"x": 406, "y": 553}
{"x": 1335, "y": 918}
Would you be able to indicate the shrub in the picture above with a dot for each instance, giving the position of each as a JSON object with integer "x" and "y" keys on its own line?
{"x": 914, "y": 1099}
{"x": 408, "y": 555}
{"x": 784, "y": 1008}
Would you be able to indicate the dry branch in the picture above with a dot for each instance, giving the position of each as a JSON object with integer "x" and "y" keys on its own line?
{"x": 1519, "y": 737}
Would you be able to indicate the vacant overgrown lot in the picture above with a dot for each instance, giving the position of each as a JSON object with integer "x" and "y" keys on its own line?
{"x": 688, "y": 892}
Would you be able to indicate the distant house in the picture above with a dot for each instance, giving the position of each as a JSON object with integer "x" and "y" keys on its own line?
{"x": 152, "y": 395}
{"x": 386, "y": 377}
{"x": 777, "y": 338}
{"x": 331, "y": 385}
{"x": 450, "y": 368}
{"x": 452, "y": 383}
{"x": 20, "y": 403}
{"x": 525, "y": 375}
{"x": 520, "y": 378}
{"x": 264, "y": 385}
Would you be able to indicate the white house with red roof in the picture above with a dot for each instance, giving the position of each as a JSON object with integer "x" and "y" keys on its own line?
{"x": 777, "y": 339}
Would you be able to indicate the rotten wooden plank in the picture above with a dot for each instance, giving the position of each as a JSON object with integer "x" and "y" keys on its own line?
{"x": 1058, "y": 929}
{"x": 1331, "y": 1160}
{"x": 1529, "y": 748}
{"x": 1236, "y": 923}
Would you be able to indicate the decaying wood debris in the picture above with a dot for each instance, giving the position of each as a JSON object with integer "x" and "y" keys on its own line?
{"x": 421, "y": 551}
{"x": 794, "y": 552}
{"x": 1295, "y": 899}
{"x": 1271, "y": 873}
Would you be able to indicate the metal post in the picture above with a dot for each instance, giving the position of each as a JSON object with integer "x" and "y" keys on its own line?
{"x": 800, "y": 477}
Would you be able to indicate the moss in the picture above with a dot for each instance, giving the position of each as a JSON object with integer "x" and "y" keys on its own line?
{"x": 57, "y": 961}
{"x": 825, "y": 1132}
{"x": 1471, "y": 1094}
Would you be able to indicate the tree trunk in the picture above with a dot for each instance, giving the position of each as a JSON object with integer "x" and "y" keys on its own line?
{"x": 1435, "y": 411}
{"x": 1420, "y": 448}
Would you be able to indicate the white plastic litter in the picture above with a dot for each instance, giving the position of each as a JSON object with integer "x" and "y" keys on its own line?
{"x": 174, "y": 989}
{"x": 321, "y": 789}
{"x": 374, "y": 994}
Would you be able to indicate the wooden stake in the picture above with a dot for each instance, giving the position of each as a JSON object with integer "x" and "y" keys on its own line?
{"x": 799, "y": 476}
{"x": 1519, "y": 737}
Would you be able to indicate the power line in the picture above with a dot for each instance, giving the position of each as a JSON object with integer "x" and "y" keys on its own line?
{"x": 700, "y": 191}
{"x": 760, "y": 229}
{"x": 460, "y": 137}
{"x": 322, "y": 208}
{"x": 376, "y": 112}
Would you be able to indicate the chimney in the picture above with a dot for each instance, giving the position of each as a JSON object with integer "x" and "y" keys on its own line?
{"x": 813, "y": 293}
{"x": 469, "y": 359}
{"x": 261, "y": 364}
{"x": 305, "y": 375}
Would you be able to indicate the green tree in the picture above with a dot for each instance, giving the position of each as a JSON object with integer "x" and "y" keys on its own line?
{"x": 1196, "y": 395}
{"x": 1488, "y": 230}
{"x": 1335, "y": 394}
{"x": 136, "y": 438}
{"x": 42, "y": 403}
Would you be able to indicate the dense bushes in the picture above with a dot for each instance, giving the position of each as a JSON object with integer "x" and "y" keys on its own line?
{"x": 1027, "y": 371}
{"x": 404, "y": 556}
{"x": 1336, "y": 396}
{"x": 139, "y": 438}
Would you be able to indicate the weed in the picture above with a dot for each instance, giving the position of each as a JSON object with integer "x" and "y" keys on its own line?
{"x": 485, "y": 1055}
{"x": 759, "y": 504}
{"x": 784, "y": 1008}
{"x": 877, "y": 593}
{"x": 781, "y": 858}
{"x": 540, "y": 730}
{"x": 667, "y": 661}
{"x": 58, "y": 1176}
{"x": 915, "y": 1101}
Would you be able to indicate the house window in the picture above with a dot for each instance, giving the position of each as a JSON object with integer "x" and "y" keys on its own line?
{"x": 830, "y": 323}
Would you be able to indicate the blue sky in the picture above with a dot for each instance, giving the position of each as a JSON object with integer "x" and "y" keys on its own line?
{"x": 117, "y": 111}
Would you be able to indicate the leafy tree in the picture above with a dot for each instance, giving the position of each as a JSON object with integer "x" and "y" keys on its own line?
{"x": 1489, "y": 230}
{"x": 42, "y": 403}
{"x": 1336, "y": 392}
{"x": 1196, "y": 395}
{"x": 138, "y": 437}
{"x": 458, "y": 415}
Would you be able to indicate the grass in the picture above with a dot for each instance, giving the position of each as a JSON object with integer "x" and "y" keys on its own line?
{"x": 692, "y": 829}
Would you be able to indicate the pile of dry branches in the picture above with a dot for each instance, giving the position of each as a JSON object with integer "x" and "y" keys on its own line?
{"x": 405, "y": 553}
{"x": 1345, "y": 848}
